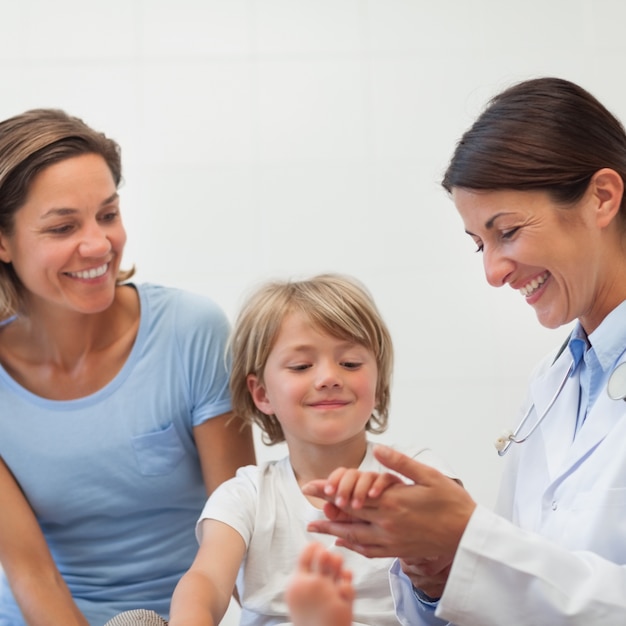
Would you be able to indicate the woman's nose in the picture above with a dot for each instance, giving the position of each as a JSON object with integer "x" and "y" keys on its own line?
{"x": 498, "y": 267}
{"x": 94, "y": 242}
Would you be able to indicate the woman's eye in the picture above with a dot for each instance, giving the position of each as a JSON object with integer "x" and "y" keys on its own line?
{"x": 507, "y": 234}
{"x": 61, "y": 230}
{"x": 479, "y": 244}
{"x": 110, "y": 216}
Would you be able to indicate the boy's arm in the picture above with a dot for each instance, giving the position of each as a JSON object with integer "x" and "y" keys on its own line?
{"x": 203, "y": 594}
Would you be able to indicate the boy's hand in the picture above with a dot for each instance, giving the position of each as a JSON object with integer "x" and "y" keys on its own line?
{"x": 422, "y": 519}
{"x": 350, "y": 487}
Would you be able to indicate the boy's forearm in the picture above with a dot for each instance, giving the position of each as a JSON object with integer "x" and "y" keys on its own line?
{"x": 196, "y": 602}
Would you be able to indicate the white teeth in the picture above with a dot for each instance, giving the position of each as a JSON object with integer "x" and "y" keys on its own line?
{"x": 92, "y": 273}
{"x": 533, "y": 285}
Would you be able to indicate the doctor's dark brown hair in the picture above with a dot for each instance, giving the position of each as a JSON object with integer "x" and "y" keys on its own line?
{"x": 337, "y": 305}
{"x": 545, "y": 134}
{"x": 29, "y": 143}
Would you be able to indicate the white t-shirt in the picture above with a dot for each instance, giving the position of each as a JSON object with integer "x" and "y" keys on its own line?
{"x": 265, "y": 506}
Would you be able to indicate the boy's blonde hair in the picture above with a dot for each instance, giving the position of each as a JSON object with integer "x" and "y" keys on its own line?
{"x": 338, "y": 305}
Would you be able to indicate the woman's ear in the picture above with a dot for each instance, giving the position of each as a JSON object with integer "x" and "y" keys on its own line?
{"x": 4, "y": 248}
{"x": 608, "y": 187}
{"x": 259, "y": 395}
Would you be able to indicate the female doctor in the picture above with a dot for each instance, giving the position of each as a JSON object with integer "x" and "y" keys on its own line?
{"x": 538, "y": 181}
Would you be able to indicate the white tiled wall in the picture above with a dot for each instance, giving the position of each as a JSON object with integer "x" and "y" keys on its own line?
{"x": 286, "y": 137}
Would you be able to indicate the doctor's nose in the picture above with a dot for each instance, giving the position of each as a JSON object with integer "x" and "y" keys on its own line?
{"x": 498, "y": 267}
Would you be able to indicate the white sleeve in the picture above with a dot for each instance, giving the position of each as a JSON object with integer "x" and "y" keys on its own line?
{"x": 234, "y": 503}
{"x": 503, "y": 574}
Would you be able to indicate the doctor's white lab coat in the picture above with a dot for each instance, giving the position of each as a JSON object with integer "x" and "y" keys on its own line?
{"x": 556, "y": 553}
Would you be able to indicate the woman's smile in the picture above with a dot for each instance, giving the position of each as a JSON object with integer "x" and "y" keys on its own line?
{"x": 89, "y": 274}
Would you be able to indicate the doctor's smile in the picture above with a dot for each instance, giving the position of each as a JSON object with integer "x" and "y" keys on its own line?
{"x": 533, "y": 286}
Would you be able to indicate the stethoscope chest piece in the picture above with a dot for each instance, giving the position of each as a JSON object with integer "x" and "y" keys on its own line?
{"x": 616, "y": 387}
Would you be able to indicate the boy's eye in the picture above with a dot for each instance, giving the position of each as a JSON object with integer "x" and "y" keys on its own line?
{"x": 300, "y": 367}
{"x": 351, "y": 365}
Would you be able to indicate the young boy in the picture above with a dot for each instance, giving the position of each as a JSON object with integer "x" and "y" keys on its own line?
{"x": 312, "y": 365}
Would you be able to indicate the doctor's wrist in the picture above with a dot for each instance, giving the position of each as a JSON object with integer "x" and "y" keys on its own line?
{"x": 424, "y": 598}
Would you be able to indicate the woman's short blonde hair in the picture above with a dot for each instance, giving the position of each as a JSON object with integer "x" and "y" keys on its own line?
{"x": 338, "y": 305}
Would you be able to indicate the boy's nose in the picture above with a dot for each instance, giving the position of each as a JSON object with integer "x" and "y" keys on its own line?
{"x": 328, "y": 376}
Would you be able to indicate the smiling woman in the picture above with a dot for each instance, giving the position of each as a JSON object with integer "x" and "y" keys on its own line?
{"x": 67, "y": 240}
{"x": 538, "y": 181}
{"x": 540, "y": 247}
{"x": 116, "y": 417}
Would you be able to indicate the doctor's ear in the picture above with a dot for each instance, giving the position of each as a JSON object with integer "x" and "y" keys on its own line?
{"x": 607, "y": 187}
{"x": 258, "y": 394}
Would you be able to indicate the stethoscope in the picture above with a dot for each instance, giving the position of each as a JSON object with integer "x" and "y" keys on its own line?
{"x": 616, "y": 390}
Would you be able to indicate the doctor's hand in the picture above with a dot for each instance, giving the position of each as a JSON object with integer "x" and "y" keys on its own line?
{"x": 428, "y": 575}
{"x": 425, "y": 519}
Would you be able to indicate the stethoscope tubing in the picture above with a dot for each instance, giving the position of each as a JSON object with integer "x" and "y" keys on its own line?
{"x": 503, "y": 443}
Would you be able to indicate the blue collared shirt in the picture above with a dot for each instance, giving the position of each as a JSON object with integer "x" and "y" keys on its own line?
{"x": 595, "y": 356}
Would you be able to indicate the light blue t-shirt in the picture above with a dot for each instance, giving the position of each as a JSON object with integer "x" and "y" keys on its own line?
{"x": 114, "y": 478}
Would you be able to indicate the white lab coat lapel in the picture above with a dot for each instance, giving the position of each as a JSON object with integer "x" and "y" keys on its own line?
{"x": 561, "y": 449}
{"x": 559, "y": 425}
{"x": 600, "y": 420}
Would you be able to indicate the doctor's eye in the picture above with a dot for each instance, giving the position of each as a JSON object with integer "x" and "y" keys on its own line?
{"x": 109, "y": 216}
{"x": 479, "y": 244}
{"x": 508, "y": 234}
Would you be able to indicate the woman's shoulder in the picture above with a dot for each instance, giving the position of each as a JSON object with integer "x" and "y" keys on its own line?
{"x": 179, "y": 306}
{"x": 164, "y": 293}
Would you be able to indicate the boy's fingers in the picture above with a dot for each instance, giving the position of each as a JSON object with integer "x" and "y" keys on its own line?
{"x": 315, "y": 488}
